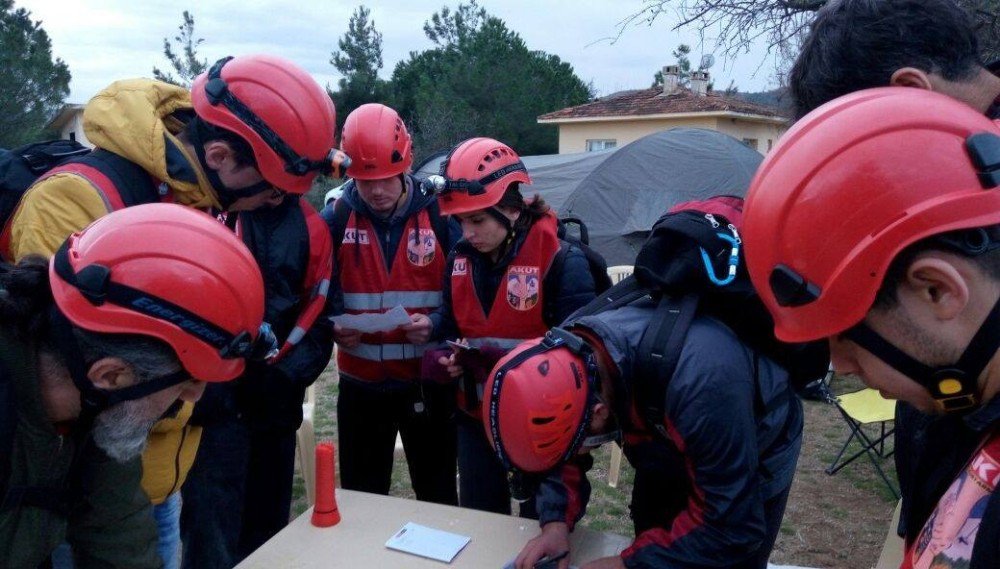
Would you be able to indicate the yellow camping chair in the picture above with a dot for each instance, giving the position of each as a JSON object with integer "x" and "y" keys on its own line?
{"x": 859, "y": 409}
{"x": 617, "y": 273}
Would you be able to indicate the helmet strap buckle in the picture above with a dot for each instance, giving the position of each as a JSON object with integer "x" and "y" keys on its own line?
{"x": 216, "y": 90}
{"x": 953, "y": 387}
{"x": 92, "y": 282}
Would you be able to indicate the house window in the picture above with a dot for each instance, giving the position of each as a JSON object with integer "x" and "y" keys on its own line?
{"x": 72, "y": 135}
{"x": 770, "y": 144}
{"x": 751, "y": 142}
{"x": 594, "y": 145}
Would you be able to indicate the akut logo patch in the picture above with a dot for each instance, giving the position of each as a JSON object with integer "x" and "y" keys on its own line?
{"x": 522, "y": 287}
{"x": 420, "y": 245}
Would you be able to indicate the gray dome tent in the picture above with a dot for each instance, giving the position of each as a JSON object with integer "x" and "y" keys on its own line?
{"x": 620, "y": 193}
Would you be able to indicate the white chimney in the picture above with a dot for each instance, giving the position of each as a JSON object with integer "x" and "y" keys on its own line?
{"x": 699, "y": 83}
{"x": 671, "y": 79}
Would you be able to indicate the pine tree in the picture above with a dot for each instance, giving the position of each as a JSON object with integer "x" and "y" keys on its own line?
{"x": 33, "y": 84}
{"x": 185, "y": 64}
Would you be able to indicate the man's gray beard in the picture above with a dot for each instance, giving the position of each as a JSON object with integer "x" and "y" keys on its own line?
{"x": 122, "y": 430}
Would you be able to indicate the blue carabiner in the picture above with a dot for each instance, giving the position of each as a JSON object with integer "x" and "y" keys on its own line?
{"x": 734, "y": 259}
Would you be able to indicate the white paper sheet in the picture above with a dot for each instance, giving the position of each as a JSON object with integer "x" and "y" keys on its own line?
{"x": 374, "y": 322}
{"x": 428, "y": 542}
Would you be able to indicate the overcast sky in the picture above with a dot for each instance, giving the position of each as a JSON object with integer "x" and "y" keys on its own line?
{"x": 105, "y": 40}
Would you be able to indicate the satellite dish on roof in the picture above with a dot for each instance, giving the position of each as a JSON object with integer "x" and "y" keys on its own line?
{"x": 707, "y": 61}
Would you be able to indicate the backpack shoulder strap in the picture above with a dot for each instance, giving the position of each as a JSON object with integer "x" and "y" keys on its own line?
{"x": 130, "y": 184}
{"x": 658, "y": 354}
{"x": 338, "y": 223}
{"x": 439, "y": 224}
{"x": 554, "y": 277}
{"x": 625, "y": 292}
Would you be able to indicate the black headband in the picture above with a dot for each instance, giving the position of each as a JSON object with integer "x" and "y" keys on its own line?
{"x": 217, "y": 91}
{"x": 444, "y": 185}
{"x": 95, "y": 284}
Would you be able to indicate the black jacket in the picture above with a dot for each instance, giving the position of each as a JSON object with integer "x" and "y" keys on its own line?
{"x": 72, "y": 491}
{"x": 270, "y": 397}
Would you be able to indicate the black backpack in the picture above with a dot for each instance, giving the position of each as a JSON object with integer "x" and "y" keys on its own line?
{"x": 120, "y": 181}
{"x": 20, "y": 167}
{"x": 692, "y": 263}
{"x": 598, "y": 266}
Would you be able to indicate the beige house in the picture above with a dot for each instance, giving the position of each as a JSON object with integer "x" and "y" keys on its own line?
{"x": 621, "y": 118}
{"x": 68, "y": 124}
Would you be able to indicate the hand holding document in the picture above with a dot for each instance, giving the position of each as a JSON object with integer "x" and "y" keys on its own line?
{"x": 374, "y": 322}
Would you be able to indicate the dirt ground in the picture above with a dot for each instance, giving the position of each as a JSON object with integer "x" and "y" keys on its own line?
{"x": 837, "y": 522}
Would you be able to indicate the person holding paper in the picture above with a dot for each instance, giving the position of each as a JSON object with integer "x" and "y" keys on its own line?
{"x": 510, "y": 279}
{"x": 390, "y": 243}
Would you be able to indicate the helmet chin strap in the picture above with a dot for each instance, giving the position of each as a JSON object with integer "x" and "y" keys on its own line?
{"x": 602, "y": 439}
{"x": 498, "y": 215}
{"x": 226, "y": 196}
{"x": 94, "y": 400}
{"x": 955, "y": 388}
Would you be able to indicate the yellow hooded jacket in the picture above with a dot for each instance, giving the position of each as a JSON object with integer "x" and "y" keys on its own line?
{"x": 133, "y": 119}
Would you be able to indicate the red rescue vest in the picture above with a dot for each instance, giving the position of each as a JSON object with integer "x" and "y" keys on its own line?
{"x": 414, "y": 282}
{"x": 517, "y": 311}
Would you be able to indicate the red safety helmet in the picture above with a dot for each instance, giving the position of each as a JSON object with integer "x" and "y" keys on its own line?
{"x": 538, "y": 400}
{"x": 849, "y": 187}
{"x": 166, "y": 271}
{"x": 476, "y": 174}
{"x": 378, "y": 143}
{"x": 278, "y": 108}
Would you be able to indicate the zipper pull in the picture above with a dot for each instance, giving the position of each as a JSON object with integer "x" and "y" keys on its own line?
{"x": 711, "y": 219}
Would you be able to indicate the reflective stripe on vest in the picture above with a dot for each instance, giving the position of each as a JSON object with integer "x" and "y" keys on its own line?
{"x": 502, "y": 343}
{"x": 391, "y": 299}
{"x": 385, "y": 352}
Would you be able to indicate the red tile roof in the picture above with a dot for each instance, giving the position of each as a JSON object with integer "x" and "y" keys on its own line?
{"x": 654, "y": 102}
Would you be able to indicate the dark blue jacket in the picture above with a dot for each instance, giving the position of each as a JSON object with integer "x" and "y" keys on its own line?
{"x": 701, "y": 498}
{"x": 566, "y": 288}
